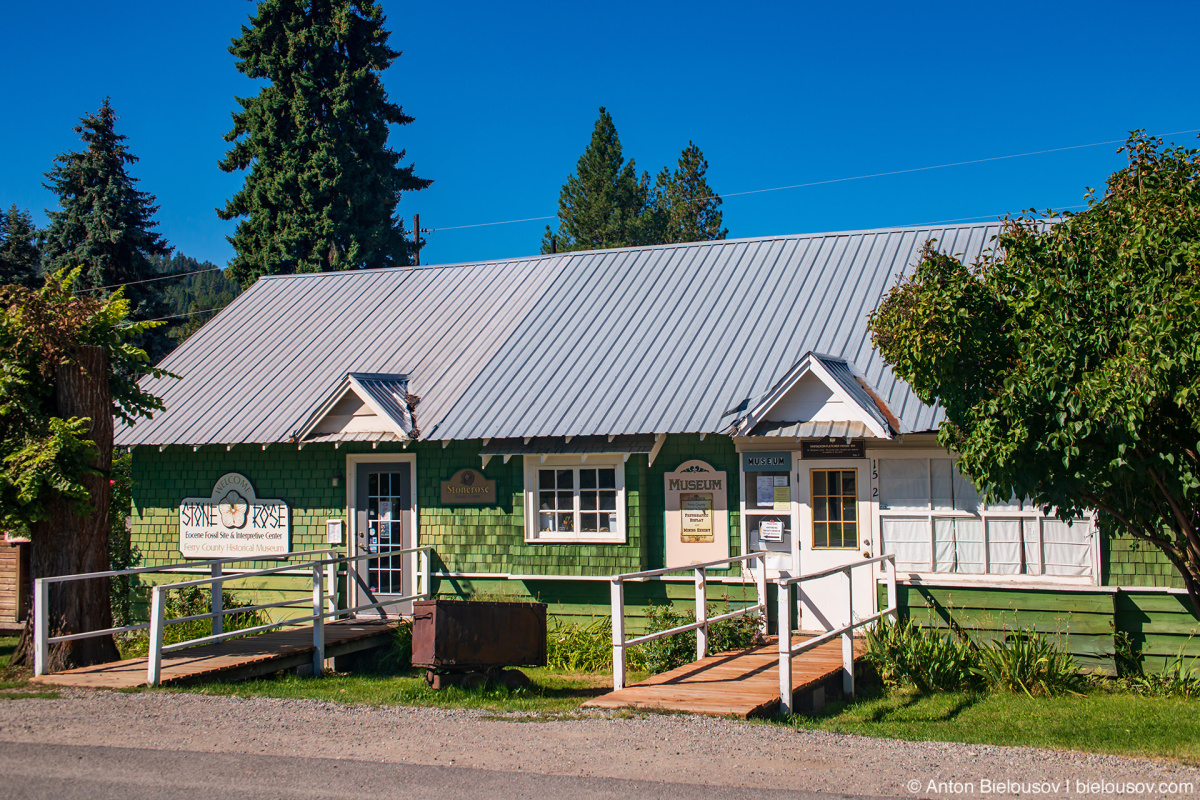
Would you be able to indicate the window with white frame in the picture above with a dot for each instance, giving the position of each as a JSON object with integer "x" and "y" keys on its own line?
{"x": 933, "y": 520}
{"x": 569, "y": 499}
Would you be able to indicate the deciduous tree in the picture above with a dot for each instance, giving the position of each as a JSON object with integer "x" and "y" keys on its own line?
{"x": 1068, "y": 358}
{"x": 67, "y": 365}
{"x": 323, "y": 185}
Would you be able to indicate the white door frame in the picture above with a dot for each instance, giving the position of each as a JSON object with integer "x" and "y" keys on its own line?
{"x": 353, "y": 460}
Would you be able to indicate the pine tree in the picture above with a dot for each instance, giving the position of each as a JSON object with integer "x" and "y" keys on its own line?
{"x": 323, "y": 185}
{"x": 104, "y": 224}
{"x": 689, "y": 208}
{"x": 603, "y": 203}
{"x": 20, "y": 256}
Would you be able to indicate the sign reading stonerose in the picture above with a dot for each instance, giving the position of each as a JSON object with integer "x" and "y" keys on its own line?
{"x": 232, "y": 523}
{"x": 468, "y": 487}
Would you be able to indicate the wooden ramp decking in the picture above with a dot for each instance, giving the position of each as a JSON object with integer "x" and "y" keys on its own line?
{"x": 233, "y": 659}
{"x": 740, "y": 683}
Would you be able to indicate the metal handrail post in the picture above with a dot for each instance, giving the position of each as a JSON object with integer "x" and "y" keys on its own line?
{"x": 617, "y": 597}
{"x": 848, "y": 637}
{"x": 41, "y": 626}
{"x": 784, "y": 625}
{"x": 701, "y": 614}
{"x": 331, "y": 589}
{"x": 760, "y": 582}
{"x": 891, "y": 588}
{"x": 426, "y": 586}
{"x": 318, "y": 575}
{"x": 218, "y": 600}
{"x": 154, "y": 656}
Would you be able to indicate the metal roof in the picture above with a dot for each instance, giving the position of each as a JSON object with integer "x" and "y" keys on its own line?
{"x": 805, "y": 430}
{"x": 644, "y": 340}
{"x": 548, "y": 445}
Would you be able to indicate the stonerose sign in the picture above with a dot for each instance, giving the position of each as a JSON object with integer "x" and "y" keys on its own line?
{"x": 233, "y": 522}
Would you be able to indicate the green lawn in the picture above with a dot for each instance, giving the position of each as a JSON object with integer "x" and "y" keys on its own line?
{"x": 1119, "y": 723}
{"x": 551, "y": 692}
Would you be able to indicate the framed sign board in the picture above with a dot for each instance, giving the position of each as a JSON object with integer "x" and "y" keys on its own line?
{"x": 697, "y": 514}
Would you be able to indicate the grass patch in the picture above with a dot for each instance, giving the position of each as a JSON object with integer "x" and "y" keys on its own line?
{"x": 551, "y": 691}
{"x": 1119, "y": 723}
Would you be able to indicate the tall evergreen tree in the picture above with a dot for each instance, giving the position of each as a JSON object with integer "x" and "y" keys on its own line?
{"x": 603, "y": 203}
{"x": 20, "y": 256}
{"x": 323, "y": 184}
{"x": 690, "y": 210}
{"x": 104, "y": 224}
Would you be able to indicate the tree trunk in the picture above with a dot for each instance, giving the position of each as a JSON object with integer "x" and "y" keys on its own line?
{"x": 66, "y": 543}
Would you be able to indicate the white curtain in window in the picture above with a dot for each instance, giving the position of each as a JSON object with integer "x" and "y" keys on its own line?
{"x": 1067, "y": 547}
{"x": 908, "y": 540}
{"x": 904, "y": 484}
{"x": 959, "y": 545}
{"x": 1004, "y": 546}
{"x": 1033, "y": 547}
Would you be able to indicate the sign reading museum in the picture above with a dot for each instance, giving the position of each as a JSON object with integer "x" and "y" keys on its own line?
{"x": 232, "y": 522}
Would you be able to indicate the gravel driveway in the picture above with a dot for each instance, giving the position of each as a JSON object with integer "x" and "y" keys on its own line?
{"x": 660, "y": 748}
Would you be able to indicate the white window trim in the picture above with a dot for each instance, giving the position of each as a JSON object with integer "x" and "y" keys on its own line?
{"x": 590, "y": 461}
{"x": 932, "y": 577}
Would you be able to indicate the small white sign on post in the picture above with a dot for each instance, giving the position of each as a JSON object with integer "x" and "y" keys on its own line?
{"x": 233, "y": 522}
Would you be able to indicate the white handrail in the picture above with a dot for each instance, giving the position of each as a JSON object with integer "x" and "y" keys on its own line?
{"x": 157, "y": 621}
{"x": 41, "y": 595}
{"x": 617, "y": 596}
{"x": 787, "y": 650}
{"x": 325, "y": 595}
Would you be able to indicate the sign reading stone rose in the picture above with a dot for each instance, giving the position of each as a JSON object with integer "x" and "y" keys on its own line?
{"x": 232, "y": 522}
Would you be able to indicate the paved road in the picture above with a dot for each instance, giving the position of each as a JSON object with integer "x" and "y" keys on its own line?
{"x": 117, "y": 773}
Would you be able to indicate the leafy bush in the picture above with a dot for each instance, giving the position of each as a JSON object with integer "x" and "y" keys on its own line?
{"x": 1028, "y": 662}
{"x": 187, "y": 602}
{"x": 678, "y": 649}
{"x": 1180, "y": 679}
{"x": 905, "y": 654}
{"x": 584, "y": 647}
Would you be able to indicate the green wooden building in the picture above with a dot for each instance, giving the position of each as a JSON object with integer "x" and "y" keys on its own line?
{"x": 545, "y": 423}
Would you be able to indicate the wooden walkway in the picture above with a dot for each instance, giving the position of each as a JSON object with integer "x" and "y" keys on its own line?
{"x": 739, "y": 683}
{"x": 233, "y": 659}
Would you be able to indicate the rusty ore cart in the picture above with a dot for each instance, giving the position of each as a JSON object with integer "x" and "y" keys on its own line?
{"x": 471, "y": 643}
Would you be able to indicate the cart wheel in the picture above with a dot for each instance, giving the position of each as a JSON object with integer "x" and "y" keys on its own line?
{"x": 474, "y": 680}
{"x": 515, "y": 679}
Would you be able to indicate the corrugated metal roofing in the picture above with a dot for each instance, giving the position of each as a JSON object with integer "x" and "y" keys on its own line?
{"x": 804, "y": 430}
{"x": 548, "y": 445}
{"x": 639, "y": 340}
{"x": 388, "y": 392}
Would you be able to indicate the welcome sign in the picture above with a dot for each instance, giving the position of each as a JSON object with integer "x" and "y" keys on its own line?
{"x": 232, "y": 522}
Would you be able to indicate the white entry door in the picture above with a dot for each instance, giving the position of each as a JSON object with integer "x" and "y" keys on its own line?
{"x": 833, "y": 530}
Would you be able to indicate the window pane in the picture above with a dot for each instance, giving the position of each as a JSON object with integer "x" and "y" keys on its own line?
{"x": 819, "y": 485}
{"x": 943, "y": 545}
{"x": 908, "y": 540}
{"x": 587, "y": 522}
{"x": 848, "y": 483}
{"x": 835, "y": 509}
{"x": 942, "y": 482}
{"x": 966, "y": 496}
{"x": 968, "y": 545}
{"x": 566, "y": 479}
{"x": 608, "y": 501}
{"x": 849, "y": 534}
{"x": 546, "y": 522}
{"x": 820, "y": 509}
{"x": 566, "y": 522}
{"x": 587, "y": 501}
{"x": 612, "y": 523}
{"x": 1067, "y": 547}
{"x": 547, "y": 501}
{"x": 1004, "y": 547}
{"x": 566, "y": 500}
{"x": 903, "y": 483}
{"x": 849, "y": 509}
{"x": 587, "y": 479}
{"x": 608, "y": 478}
{"x": 545, "y": 479}
{"x": 373, "y": 484}
{"x": 821, "y": 534}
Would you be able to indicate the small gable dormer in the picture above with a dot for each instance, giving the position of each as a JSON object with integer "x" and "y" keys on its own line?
{"x": 364, "y": 407}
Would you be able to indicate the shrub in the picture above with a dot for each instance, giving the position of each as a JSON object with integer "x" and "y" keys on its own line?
{"x": 580, "y": 647}
{"x": 1180, "y": 679}
{"x": 1027, "y": 661}
{"x": 187, "y": 602}
{"x": 678, "y": 649}
{"x": 905, "y": 654}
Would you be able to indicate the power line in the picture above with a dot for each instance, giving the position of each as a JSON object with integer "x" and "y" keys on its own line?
{"x": 857, "y": 177}
{"x": 150, "y": 280}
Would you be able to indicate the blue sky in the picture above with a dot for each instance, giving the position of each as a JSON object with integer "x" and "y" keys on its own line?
{"x": 505, "y": 96}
